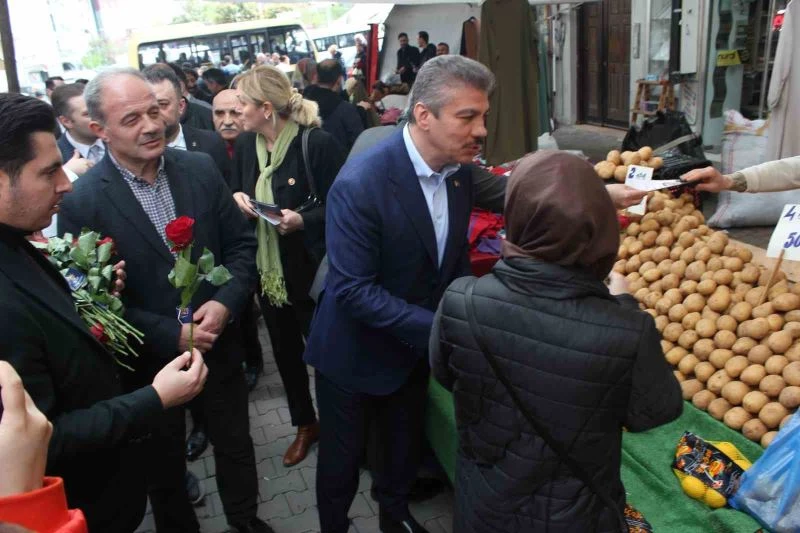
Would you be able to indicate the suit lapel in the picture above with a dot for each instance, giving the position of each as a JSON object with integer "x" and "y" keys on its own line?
{"x": 190, "y": 138}
{"x": 458, "y": 218}
{"x": 409, "y": 194}
{"x": 122, "y": 198}
{"x": 28, "y": 280}
{"x": 179, "y": 185}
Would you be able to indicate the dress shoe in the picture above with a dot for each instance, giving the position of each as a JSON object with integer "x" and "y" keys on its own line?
{"x": 194, "y": 489}
{"x": 306, "y": 436}
{"x": 255, "y": 525}
{"x": 425, "y": 488}
{"x": 196, "y": 443}
{"x": 404, "y": 524}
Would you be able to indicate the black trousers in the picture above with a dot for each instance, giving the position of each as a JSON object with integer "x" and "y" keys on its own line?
{"x": 344, "y": 418}
{"x": 287, "y": 326}
{"x": 224, "y": 400}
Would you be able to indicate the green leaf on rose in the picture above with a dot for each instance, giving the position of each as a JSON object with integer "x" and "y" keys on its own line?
{"x": 107, "y": 272}
{"x": 171, "y": 278}
{"x": 206, "y": 261}
{"x": 104, "y": 252}
{"x": 95, "y": 281}
{"x": 185, "y": 272}
{"x": 80, "y": 258}
{"x": 219, "y": 276}
{"x": 87, "y": 242}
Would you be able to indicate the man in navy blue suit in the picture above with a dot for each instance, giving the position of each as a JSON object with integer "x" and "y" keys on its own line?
{"x": 396, "y": 232}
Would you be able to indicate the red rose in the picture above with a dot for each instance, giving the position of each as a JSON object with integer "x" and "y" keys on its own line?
{"x": 99, "y": 333}
{"x": 179, "y": 232}
{"x": 624, "y": 221}
{"x": 107, "y": 240}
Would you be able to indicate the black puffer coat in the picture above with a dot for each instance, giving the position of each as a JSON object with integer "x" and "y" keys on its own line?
{"x": 583, "y": 362}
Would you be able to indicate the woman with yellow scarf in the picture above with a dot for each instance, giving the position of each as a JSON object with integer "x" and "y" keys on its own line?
{"x": 269, "y": 168}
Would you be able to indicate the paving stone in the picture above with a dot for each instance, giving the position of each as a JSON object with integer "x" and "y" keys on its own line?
{"x": 300, "y": 501}
{"x": 372, "y": 503}
{"x": 279, "y": 485}
{"x": 283, "y": 412}
{"x": 277, "y": 507}
{"x": 366, "y": 525}
{"x": 446, "y": 522}
{"x": 198, "y": 468}
{"x": 307, "y": 521}
{"x": 218, "y": 524}
{"x": 268, "y": 419}
{"x": 364, "y": 481}
{"x": 258, "y": 436}
{"x": 310, "y": 476}
{"x": 360, "y": 508}
{"x": 279, "y": 431}
{"x": 433, "y": 526}
{"x": 266, "y": 469}
{"x": 276, "y": 391}
{"x": 148, "y": 524}
{"x": 211, "y": 466}
{"x": 439, "y": 505}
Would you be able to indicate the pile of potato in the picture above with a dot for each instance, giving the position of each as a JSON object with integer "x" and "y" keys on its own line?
{"x": 735, "y": 358}
{"x": 616, "y": 163}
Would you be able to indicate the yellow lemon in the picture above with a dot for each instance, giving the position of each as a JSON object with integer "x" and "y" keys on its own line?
{"x": 714, "y": 499}
{"x": 693, "y": 487}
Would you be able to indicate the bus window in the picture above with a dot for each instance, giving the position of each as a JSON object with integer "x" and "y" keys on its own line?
{"x": 240, "y": 50}
{"x": 290, "y": 41}
{"x": 258, "y": 43}
{"x": 208, "y": 50}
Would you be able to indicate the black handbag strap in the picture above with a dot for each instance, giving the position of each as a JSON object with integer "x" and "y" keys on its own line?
{"x": 538, "y": 427}
{"x": 312, "y": 185}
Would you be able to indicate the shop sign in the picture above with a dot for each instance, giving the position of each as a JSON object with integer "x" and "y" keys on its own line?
{"x": 728, "y": 58}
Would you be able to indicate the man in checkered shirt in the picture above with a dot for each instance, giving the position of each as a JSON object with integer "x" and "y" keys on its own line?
{"x": 131, "y": 195}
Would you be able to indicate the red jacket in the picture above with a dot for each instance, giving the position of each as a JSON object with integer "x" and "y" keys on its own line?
{"x": 44, "y": 510}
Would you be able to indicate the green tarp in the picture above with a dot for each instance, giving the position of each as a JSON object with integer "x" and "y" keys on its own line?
{"x": 646, "y": 467}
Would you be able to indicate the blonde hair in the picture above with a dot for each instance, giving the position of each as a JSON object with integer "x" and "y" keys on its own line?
{"x": 266, "y": 83}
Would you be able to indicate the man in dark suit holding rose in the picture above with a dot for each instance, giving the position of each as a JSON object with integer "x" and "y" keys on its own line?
{"x": 131, "y": 195}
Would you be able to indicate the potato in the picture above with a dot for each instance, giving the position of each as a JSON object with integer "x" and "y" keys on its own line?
{"x": 691, "y": 320}
{"x": 680, "y": 378}
{"x": 694, "y": 303}
{"x": 763, "y": 310}
{"x": 690, "y": 387}
{"x": 734, "y": 391}
{"x": 753, "y": 401}
{"x": 717, "y": 408}
{"x": 674, "y": 296}
{"x": 720, "y": 300}
{"x": 686, "y": 239}
{"x": 688, "y": 338}
{"x": 768, "y": 437}
{"x": 736, "y": 417}
{"x": 707, "y": 287}
{"x": 780, "y": 341}
{"x": 772, "y": 386}
{"x": 772, "y": 414}
{"x": 714, "y": 264}
{"x": 754, "y": 430}
{"x": 687, "y": 364}
{"x": 651, "y": 299}
{"x": 750, "y": 273}
{"x": 791, "y": 373}
{"x": 649, "y": 224}
{"x": 645, "y": 254}
{"x": 666, "y": 346}
{"x": 793, "y": 353}
{"x": 650, "y": 312}
{"x": 781, "y": 287}
{"x": 675, "y": 253}
{"x": 645, "y": 153}
{"x": 727, "y": 323}
{"x": 743, "y": 345}
{"x": 703, "y": 398}
{"x": 725, "y": 339}
{"x": 675, "y": 355}
{"x": 723, "y": 277}
{"x": 708, "y": 314}
{"x": 706, "y": 328}
{"x": 703, "y": 255}
{"x": 678, "y": 268}
{"x": 702, "y": 348}
{"x": 707, "y": 275}
{"x": 757, "y": 328}
{"x": 656, "y": 162}
{"x": 720, "y": 357}
{"x": 635, "y": 248}
{"x": 605, "y": 169}
{"x": 765, "y": 274}
{"x": 703, "y": 371}
{"x": 776, "y": 322}
{"x": 663, "y": 306}
{"x": 790, "y": 397}
{"x": 688, "y": 254}
{"x": 759, "y": 354}
{"x": 661, "y": 321}
{"x": 734, "y": 264}
{"x": 614, "y": 156}
{"x": 736, "y": 365}
{"x": 786, "y": 302}
{"x": 688, "y": 287}
{"x": 717, "y": 381}
{"x": 677, "y": 312}
{"x": 646, "y": 265}
{"x": 671, "y": 282}
{"x": 620, "y": 173}
{"x": 753, "y": 296}
{"x": 648, "y": 239}
{"x": 776, "y": 364}
{"x": 793, "y": 328}
{"x": 672, "y": 332}
{"x": 695, "y": 270}
{"x": 752, "y": 375}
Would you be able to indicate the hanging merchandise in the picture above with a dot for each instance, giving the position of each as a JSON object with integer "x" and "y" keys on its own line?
{"x": 508, "y": 46}
{"x": 783, "y": 98}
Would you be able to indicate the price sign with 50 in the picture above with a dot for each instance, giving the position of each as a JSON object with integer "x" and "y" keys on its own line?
{"x": 786, "y": 236}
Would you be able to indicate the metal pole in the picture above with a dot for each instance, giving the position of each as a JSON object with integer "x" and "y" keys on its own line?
{"x": 8, "y": 48}
{"x": 767, "y": 55}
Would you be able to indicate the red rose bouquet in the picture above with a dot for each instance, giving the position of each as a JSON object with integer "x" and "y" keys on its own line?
{"x": 86, "y": 265}
{"x": 188, "y": 276}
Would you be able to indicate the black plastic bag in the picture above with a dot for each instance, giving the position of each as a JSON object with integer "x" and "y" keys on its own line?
{"x": 664, "y": 127}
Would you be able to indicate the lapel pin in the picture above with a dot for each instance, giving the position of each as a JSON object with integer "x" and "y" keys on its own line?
{"x": 194, "y": 144}
{"x": 291, "y": 181}
{"x": 456, "y": 183}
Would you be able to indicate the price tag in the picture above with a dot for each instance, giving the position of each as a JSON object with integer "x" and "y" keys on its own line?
{"x": 787, "y": 234}
{"x": 639, "y": 178}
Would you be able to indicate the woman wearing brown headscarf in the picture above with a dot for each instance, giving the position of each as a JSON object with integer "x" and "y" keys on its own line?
{"x": 551, "y": 364}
